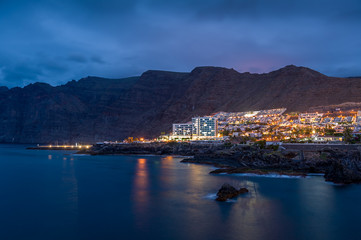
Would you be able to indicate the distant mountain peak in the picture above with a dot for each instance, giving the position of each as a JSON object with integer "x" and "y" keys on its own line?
{"x": 157, "y": 72}
{"x": 210, "y": 69}
{"x": 290, "y": 66}
{"x": 294, "y": 68}
{"x": 160, "y": 75}
{"x": 39, "y": 85}
{"x": 297, "y": 70}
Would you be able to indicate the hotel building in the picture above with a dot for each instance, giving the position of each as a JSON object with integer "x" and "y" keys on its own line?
{"x": 183, "y": 130}
{"x": 205, "y": 127}
{"x": 200, "y": 128}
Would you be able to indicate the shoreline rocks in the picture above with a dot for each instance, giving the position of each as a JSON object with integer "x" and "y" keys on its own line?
{"x": 344, "y": 169}
{"x": 157, "y": 148}
{"x": 257, "y": 171}
{"x": 340, "y": 165}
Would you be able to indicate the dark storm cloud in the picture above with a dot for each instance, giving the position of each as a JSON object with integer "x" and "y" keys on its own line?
{"x": 56, "y": 41}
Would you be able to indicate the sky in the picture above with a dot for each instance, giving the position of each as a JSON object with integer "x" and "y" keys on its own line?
{"x": 57, "y": 41}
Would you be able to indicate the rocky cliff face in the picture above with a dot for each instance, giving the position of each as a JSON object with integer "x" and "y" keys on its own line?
{"x": 96, "y": 109}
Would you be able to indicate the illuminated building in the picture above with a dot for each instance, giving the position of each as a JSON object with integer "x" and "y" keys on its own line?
{"x": 205, "y": 126}
{"x": 182, "y": 129}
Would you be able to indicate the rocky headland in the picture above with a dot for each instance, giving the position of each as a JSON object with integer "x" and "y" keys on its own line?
{"x": 339, "y": 164}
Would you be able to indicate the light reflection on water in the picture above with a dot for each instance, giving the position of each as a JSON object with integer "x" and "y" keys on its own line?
{"x": 54, "y": 195}
{"x": 167, "y": 177}
{"x": 245, "y": 215}
{"x": 141, "y": 190}
{"x": 70, "y": 183}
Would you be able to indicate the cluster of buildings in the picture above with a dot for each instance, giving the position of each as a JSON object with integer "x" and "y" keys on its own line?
{"x": 270, "y": 125}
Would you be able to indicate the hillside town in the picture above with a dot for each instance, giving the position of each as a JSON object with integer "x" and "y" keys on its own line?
{"x": 271, "y": 125}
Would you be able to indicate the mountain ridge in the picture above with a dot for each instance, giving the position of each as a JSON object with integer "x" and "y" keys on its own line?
{"x": 199, "y": 68}
{"x": 96, "y": 109}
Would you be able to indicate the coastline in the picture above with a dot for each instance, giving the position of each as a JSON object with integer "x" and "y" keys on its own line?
{"x": 55, "y": 148}
{"x": 337, "y": 165}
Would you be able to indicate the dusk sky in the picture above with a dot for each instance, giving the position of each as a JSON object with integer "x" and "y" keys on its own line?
{"x": 56, "y": 41}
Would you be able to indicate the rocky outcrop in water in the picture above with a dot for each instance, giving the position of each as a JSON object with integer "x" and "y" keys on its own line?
{"x": 227, "y": 191}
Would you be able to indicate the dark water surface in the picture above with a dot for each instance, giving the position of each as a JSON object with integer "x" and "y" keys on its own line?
{"x": 58, "y": 195}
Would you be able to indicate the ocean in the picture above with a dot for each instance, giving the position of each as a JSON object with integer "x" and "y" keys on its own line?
{"x": 61, "y": 195}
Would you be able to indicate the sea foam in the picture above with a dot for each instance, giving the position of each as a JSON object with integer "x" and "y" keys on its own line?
{"x": 213, "y": 196}
{"x": 270, "y": 175}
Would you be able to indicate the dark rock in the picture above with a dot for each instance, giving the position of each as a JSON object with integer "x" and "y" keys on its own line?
{"x": 343, "y": 167}
{"x": 243, "y": 190}
{"x": 227, "y": 191}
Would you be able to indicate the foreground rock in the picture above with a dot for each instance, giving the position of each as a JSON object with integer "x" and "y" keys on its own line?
{"x": 227, "y": 191}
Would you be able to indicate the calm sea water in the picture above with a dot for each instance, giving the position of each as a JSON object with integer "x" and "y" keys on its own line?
{"x": 58, "y": 195}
